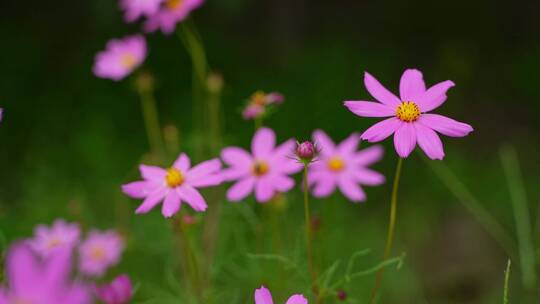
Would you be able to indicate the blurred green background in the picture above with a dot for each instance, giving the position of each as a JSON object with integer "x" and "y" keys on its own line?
{"x": 70, "y": 139}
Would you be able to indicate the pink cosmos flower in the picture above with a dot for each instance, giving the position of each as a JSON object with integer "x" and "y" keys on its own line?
{"x": 174, "y": 185}
{"x": 120, "y": 57}
{"x": 31, "y": 280}
{"x": 263, "y": 296}
{"x": 265, "y": 171}
{"x": 259, "y": 102}
{"x": 172, "y": 12}
{"x": 48, "y": 240}
{"x": 134, "y": 9}
{"x": 99, "y": 251}
{"x": 409, "y": 121}
{"x": 119, "y": 291}
{"x": 344, "y": 167}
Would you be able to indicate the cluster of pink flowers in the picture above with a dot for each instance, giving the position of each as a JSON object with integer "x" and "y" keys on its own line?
{"x": 263, "y": 296}
{"x": 260, "y": 103}
{"x": 122, "y": 56}
{"x": 39, "y": 269}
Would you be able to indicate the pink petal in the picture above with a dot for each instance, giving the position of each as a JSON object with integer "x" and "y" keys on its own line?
{"x": 285, "y": 150}
{"x": 429, "y": 141}
{"x": 151, "y": 200}
{"x": 324, "y": 185}
{"x": 349, "y": 145}
{"x": 241, "y": 189}
{"x": 368, "y": 156}
{"x": 138, "y": 189}
{"x": 445, "y": 125}
{"x": 22, "y": 268}
{"x": 203, "y": 175}
{"x": 263, "y": 142}
{"x": 434, "y": 96}
{"x": 182, "y": 163}
{"x": 351, "y": 190}
{"x": 405, "y": 139}
{"x": 152, "y": 173}
{"x": 411, "y": 86}
{"x": 282, "y": 183}
{"x": 370, "y": 109}
{"x": 376, "y": 89}
{"x": 192, "y": 197}
{"x": 236, "y": 157}
{"x": 233, "y": 173}
{"x": 263, "y": 296}
{"x": 381, "y": 130}
{"x": 297, "y": 299}
{"x": 171, "y": 205}
{"x": 264, "y": 190}
{"x": 324, "y": 142}
{"x": 368, "y": 177}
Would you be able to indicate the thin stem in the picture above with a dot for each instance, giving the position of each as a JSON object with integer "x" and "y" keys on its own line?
{"x": 391, "y": 229}
{"x": 309, "y": 249}
{"x": 522, "y": 218}
{"x": 458, "y": 188}
{"x": 506, "y": 280}
{"x": 151, "y": 122}
{"x": 190, "y": 259}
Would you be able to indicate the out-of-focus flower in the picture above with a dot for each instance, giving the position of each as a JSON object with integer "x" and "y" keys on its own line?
{"x": 120, "y": 57}
{"x": 341, "y": 295}
{"x": 119, "y": 291}
{"x": 265, "y": 171}
{"x": 60, "y": 236}
{"x": 306, "y": 152}
{"x": 171, "y": 13}
{"x": 344, "y": 167}
{"x": 410, "y": 123}
{"x": 174, "y": 185}
{"x": 31, "y": 280}
{"x": 100, "y": 250}
{"x": 1, "y": 114}
{"x": 134, "y": 9}
{"x": 263, "y": 296}
{"x": 259, "y": 102}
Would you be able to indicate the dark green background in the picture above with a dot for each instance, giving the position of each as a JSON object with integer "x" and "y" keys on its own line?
{"x": 69, "y": 139}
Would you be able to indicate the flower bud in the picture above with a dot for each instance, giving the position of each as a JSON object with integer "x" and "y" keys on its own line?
{"x": 119, "y": 291}
{"x": 306, "y": 151}
{"x": 341, "y": 295}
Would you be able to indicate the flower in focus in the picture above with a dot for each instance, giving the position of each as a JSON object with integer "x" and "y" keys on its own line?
{"x": 344, "y": 167}
{"x": 265, "y": 171}
{"x": 120, "y": 57}
{"x": 409, "y": 121}
{"x": 306, "y": 152}
{"x": 31, "y": 280}
{"x": 60, "y": 235}
{"x": 99, "y": 251}
{"x": 119, "y": 291}
{"x": 134, "y": 9}
{"x": 171, "y": 13}
{"x": 259, "y": 102}
{"x": 263, "y": 296}
{"x": 174, "y": 185}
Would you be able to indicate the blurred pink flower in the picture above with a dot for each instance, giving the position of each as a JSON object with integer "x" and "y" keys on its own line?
{"x": 171, "y": 13}
{"x": 344, "y": 167}
{"x": 265, "y": 172}
{"x": 1, "y": 114}
{"x": 174, "y": 185}
{"x": 259, "y": 102}
{"x": 48, "y": 240}
{"x": 32, "y": 280}
{"x": 410, "y": 123}
{"x": 263, "y": 296}
{"x": 120, "y": 57}
{"x": 99, "y": 251}
{"x": 134, "y": 9}
{"x": 119, "y": 291}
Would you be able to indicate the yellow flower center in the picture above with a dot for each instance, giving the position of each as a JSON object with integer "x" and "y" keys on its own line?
{"x": 128, "y": 61}
{"x": 53, "y": 243}
{"x": 97, "y": 253}
{"x": 258, "y": 98}
{"x": 174, "y": 178}
{"x": 260, "y": 168}
{"x": 173, "y": 4}
{"x": 336, "y": 164}
{"x": 408, "y": 111}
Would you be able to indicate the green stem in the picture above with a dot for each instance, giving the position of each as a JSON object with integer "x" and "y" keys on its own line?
{"x": 522, "y": 218}
{"x": 309, "y": 248}
{"x": 151, "y": 122}
{"x": 391, "y": 229}
{"x": 506, "y": 280}
{"x": 190, "y": 260}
